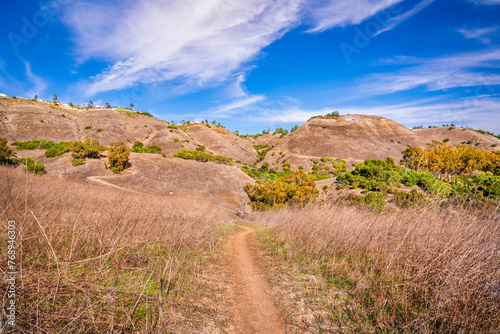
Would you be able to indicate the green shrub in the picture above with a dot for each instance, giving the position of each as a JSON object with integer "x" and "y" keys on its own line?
{"x": 494, "y": 145}
{"x": 5, "y": 151}
{"x": 88, "y": 127}
{"x": 293, "y": 189}
{"x": 373, "y": 199}
{"x": 145, "y": 113}
{"x": 139, "y": 148}
{"x": 89, "y": 148}
{"x": 373, "y": 175}
{"x": 118, "y": 155}
{"x": 446, "y": 140}
{"x": 176, "y": 140}
{"x": 77, "y": 162}
{"x": 406, "y": 199}
{"x": 98, "y": 130}
{"x": 262, "y": 150}
{"x": 52, "y": 149}
{"x": 32, "y": 167}
{"x": 57, "y": 149}
{"x": 199, "y": 154}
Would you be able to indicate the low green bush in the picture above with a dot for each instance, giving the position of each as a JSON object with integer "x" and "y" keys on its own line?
{"x": 32, "y": 167}
{"x": 89, "y": 148}
{"x": 139, "y": 148}
{"x": 373, "y": 199}
{"x": 200, "y": 155}
{"x": 405, "y": 199}
{"x": 5, "y": 151}
{"x": 77, "y": 162}
{"x": 53, "y": 149}
{"x": 262, "y": 150}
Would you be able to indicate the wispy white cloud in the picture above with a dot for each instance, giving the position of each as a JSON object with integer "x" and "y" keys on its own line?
{"x": 39, "y": 85}
{"x": 236, "y": 105}
{"x": 400, "y": 18}
{"x": 341, "y": 13}
{"x": 481, "y": 34}
{"x": 399, "y": 60}
{"x": 195, "y": 43}
{"x": 486, "y": 2}
{"x": 437, "y": 74}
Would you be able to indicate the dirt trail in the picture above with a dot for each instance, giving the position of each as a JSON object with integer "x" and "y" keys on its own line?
{"x": 256, "y": 312}
{"x": 98, "y": 179}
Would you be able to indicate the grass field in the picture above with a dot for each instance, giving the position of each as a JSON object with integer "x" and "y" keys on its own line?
{"x": 343, "y": 270}
{"x": 97, "y": 259}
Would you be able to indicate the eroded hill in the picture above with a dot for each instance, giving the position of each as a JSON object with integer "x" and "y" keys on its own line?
{"x": 354, "y": 138}
{"x": 23, "y": 120}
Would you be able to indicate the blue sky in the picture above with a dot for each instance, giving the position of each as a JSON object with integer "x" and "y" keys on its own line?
{"x": 259, "y": 64}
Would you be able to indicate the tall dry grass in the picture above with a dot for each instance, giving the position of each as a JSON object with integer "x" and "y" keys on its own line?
{"x": 418, "y": 270}
{"x": 97, "y": 259}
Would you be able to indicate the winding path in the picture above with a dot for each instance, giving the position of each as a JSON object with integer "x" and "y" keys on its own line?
{"x": 255, "y": 309}
{"x": 99, "y": 179}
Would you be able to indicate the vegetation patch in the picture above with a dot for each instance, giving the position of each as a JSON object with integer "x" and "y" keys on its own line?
{"x": 294, "y": 189}
{"x": 445, "y": 160}
{"x": 53, "y": 149}
{"x": 327, "y": 167}
{"x": 139, "y": 148}
{"x": 264, "y": 174}
{"x": 77, "y": 162}
{"x": 262, "y": 150}
{"x": 89, "y": 148}
{"x": 32, "y": 166}
{"x": 118, "y": 155}
{"x": 5, "y": 150}
{"x": 200, "y": 155}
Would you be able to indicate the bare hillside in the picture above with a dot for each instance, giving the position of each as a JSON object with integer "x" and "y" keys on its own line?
{"x": 354, "y": 138}
{"x": 26, "y": 120}
{"x": 224, "y": 142}
{"x": 218, "y": 184}
{"x": 22, "y": 120}
{"x": 458, "y": 136}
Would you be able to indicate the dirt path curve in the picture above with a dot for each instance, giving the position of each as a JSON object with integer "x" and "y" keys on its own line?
{"x": 98, "y": 179}
{"x": 256, "y": 312}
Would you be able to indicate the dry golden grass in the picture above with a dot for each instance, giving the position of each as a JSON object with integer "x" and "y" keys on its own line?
{"x": 424, "y": 270}
{"x": 96, "y": 259}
